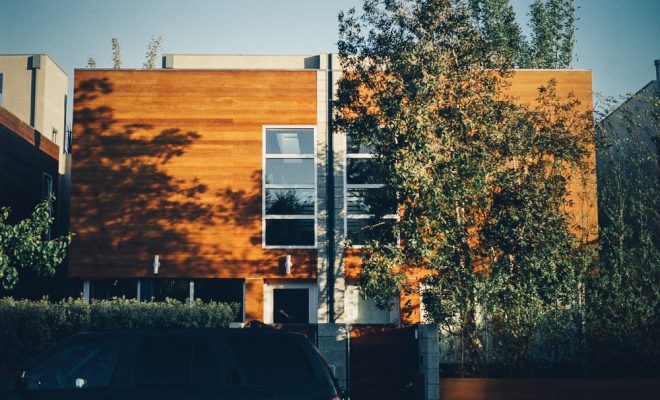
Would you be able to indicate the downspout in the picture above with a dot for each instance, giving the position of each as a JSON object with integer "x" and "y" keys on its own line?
{"x": 330, "y": 198}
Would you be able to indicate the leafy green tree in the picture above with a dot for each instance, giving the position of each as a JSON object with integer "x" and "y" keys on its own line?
{"x": 91, "y": 63}
{"x": 116, "y": 53}
{"x": 153, "y": 50}
{"x": 497, "y": 22}
{"x": 480, "y": 180}
{"x": 553, "y": 33}
{"x": 22, "y": 246}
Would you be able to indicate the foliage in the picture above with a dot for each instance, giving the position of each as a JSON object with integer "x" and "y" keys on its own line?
{"x": 553, "y": 33}
{"x": 91, "y": 63}
{"x": 116, "y": 53}
{"x": 153, "y": 50}
{"x": 480, "y": 180}
{"x": 552, "y": 25}
{"x": 497, "y": 22}
{"x": 22, "y": 246}
{"x": 29, "y": 327}
{"x": 624, "y": 294}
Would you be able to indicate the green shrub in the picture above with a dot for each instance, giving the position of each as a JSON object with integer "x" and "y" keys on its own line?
{"x": 29, "y": 327}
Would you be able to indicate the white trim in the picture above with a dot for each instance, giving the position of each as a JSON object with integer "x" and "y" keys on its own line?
{"x": 284, "y": 216}
{"x": 269, "y": 303}
{"x": 359, "y": 155}
{"x": 264, "y": 156}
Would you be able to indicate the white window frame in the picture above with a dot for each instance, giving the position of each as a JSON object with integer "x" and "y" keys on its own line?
{"x": 269, "y": 302}
{"x": 264, "y": 186}
{"x": 347, "y": 187}
{"x": 394, "y": 312}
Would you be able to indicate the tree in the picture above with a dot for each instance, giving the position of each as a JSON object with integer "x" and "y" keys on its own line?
{"x": 552, "y": 24}
{"x": 91, "y": 63}
{"x": 553, "y": 33}
{"x": 116, "y": 53}
{"x": 22, "y": 246}
{"x": 497, "y": 22}
{"x": 153, "y": 50}
{"x": 480, "y": 181}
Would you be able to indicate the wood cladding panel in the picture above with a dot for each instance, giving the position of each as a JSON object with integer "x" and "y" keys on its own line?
{"x": 169, "y": 162}
{"x": 542, "y": 389}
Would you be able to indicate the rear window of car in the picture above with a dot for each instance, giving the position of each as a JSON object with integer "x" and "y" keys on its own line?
{"x": 177, "y": 361}
{"x": 271, "y": 360}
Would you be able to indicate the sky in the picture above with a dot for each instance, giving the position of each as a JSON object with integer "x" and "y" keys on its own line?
{"x": 616, "y": 39}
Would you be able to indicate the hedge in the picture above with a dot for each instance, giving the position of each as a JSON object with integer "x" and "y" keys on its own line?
{"x": 29, "y": 327}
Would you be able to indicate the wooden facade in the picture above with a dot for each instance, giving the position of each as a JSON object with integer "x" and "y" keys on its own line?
{"x": 170, "y": 163}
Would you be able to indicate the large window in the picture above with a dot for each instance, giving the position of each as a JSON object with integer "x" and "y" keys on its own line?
{"x": 289, "y": 187}
{"x": 365, "y": 194}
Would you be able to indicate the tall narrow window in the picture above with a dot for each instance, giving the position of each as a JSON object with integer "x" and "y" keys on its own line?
{"x": 289, "y": 187}
{"x": 46, "y": 192}
{"x": 1, "y": 88}
{"x": 366, "y": 197}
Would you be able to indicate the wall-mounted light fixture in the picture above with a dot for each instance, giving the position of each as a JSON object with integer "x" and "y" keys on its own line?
{"x": 156, "y": 264}
{"x": 287, "y": 264}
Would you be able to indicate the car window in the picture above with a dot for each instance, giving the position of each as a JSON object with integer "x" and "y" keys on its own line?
{"x": 177, "y": 361}
{"x": 271, "y": 360}
{"x": 86, "y": 364}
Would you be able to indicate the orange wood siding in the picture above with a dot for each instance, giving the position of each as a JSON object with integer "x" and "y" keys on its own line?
{"x": 549, "y": 389}
{"x": 169, "y": 162}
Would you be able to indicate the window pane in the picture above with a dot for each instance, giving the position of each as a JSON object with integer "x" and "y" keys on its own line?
{"x": 271, "y": 360}
{"x": 297, "y": 171}
{"x": 290, "y": 201}
{"x": 291, "y": 306}
{"x": 354, "y": 147}
{"x": 362, "y": 171}
{"x": 222, "y": 291}
{"x": 363, "y": 230}
{"x": 369, "y": 201}
{"x": 164, "y": 361}
{"x": 178, "y": 289}
{"x": 290, "y": 232}
{"x": 109, "y": 288}
{"x": 290, "y": 141}
{"x": 93, "y": 360}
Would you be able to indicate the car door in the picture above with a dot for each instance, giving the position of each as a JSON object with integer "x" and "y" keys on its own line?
{"x": 80, "y": 369}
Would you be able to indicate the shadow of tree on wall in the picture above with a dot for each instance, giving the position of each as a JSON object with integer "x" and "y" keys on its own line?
{"x": 125, "y": 206}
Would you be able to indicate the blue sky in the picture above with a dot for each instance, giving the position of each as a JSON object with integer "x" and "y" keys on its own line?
{"x": 618, "y": 40}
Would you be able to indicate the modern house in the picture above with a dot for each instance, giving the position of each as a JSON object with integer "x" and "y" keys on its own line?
{"x": 33, "y": 143}
{"x": 220, "y": 177}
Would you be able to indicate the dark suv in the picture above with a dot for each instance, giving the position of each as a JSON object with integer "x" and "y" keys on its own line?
{"x": 179, "y": 364}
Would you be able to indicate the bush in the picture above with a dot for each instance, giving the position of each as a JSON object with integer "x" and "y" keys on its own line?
{"x": 29, "y": 327}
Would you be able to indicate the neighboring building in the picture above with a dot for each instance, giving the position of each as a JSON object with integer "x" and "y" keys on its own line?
{"x": 628, "y": 160}
{"x": 33, "y": 95}
{"x": 220, "y": 178}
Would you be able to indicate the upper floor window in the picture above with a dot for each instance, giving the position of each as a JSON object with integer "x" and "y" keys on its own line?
{"x": 46, "y": 192}
{"x": 1, "y": 88}
{"x": 289, "y": 187}
{"x": 366, "y": 197}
